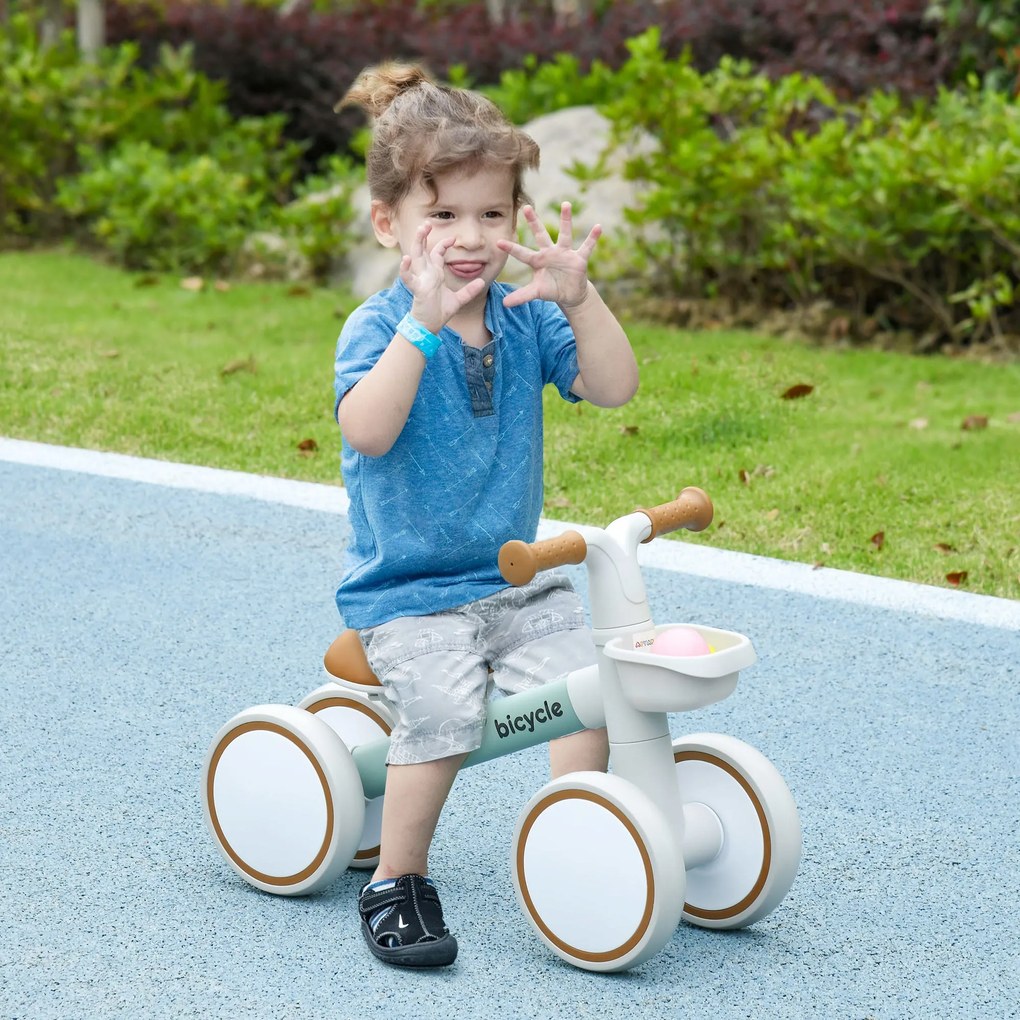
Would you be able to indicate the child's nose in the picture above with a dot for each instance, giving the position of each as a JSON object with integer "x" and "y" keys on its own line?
{"x": 469, "y": 236}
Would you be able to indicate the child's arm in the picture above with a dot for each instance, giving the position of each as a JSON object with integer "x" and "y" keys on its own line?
{"x": 374, "y": 411}
{"x": 607, "y": 370}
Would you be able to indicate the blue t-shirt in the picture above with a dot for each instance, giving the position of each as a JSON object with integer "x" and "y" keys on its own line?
{"x": 465, "y": 474}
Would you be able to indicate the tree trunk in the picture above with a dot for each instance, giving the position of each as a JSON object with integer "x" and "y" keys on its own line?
{"x": 571, "y": 12}
{"x": 91, "y": 28}
{"x": 52, "y": 23}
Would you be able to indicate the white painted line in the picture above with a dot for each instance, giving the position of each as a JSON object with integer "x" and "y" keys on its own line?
{"x": 698, "y": 560}
{"x": 310, "y": 495}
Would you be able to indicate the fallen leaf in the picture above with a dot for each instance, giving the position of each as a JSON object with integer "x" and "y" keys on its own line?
{"x": 944, "y": 547}
{"x": 974, "y": 421}
{"x": 745, "y": 476}
{"x": 919, "y": 423}
{"x": 148, "y": 280}
{"x": 559, "y": 502}
{"x": 109, "y": 354}
{"x": 764, "y": 470}
{"x": 239, "y": 365}
{"x": 957, "y": 577}
{"x": 772, "y": 514}
{"x": 798, "y": 391}
{"x": 1014, "y": 418}
{"x": 629, "y": 430}
{"x": 195, "y": 283}
{"x": 298, "y": 290}
{"x": 308, "y": 447}
{"x": 878, "y": 539}
{"x": 222, "y": 286}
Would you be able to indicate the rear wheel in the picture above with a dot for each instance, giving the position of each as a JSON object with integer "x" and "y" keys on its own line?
{"x": 356, "y": 718}
{"x": 283, "y": 799}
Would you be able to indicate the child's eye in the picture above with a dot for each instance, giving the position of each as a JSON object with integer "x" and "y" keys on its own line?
{"x": 494, "y": 214}
{"x": 442, "y": 214}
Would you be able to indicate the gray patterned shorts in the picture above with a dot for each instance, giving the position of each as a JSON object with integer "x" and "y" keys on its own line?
{"x": 435, "y": 669}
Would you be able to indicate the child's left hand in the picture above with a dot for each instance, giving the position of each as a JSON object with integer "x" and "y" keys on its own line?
{"x": 560, "y": 271}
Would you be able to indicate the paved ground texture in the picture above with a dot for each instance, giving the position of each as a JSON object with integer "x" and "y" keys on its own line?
{"x": 142, "y": 605}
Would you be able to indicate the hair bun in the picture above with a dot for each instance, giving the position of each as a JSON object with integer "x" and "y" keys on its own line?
{"x": 375, "y": 89}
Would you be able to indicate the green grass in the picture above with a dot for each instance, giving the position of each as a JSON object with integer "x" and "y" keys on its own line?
{"x": 94, "y": 357}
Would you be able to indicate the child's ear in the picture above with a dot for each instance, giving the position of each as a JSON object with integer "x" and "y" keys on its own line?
{"x": 383, "y": 225}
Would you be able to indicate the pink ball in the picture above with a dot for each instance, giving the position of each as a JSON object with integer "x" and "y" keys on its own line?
{"x": 680, "y": 641}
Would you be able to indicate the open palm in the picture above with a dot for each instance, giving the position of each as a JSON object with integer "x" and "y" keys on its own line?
{"x": 560, "y": 272}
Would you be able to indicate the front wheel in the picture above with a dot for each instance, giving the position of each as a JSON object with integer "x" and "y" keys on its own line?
{"x": 757, "y": 830}
{"x": 597, "y": 871}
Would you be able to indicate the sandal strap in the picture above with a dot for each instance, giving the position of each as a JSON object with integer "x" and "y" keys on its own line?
{"x": 407, "y": 912}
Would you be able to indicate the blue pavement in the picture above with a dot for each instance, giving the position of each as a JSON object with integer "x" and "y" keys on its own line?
{"x": 135, "y": 618}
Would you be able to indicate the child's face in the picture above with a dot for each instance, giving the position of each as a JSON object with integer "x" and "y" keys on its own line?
{"x": 475, "y": 207}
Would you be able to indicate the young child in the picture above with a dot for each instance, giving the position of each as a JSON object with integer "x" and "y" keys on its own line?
{"x": 439, "y": 399}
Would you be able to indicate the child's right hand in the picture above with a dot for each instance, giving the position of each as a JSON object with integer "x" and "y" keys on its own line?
{"x": 424, "y": 273}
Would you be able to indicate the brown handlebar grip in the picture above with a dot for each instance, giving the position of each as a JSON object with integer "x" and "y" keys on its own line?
{"x": 520, "y": 561}
{"x": 692, "y": 510}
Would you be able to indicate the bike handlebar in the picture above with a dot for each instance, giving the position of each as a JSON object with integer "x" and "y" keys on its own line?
{"x": 520, "y": 561}
{"x": 692, "y": 510}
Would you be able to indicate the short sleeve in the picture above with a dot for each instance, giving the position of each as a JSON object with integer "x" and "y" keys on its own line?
{"x": 558, "y": 348}
{"x": 365, "y": 335}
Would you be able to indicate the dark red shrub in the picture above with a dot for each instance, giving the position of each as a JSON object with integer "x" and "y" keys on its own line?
{"x": 302, "y": 63}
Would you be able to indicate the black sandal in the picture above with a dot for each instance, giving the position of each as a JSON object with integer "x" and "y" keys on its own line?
{"x": 402, "y": 921}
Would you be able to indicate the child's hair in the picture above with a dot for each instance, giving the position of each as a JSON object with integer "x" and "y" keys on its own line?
{"x": 422, "y": 129}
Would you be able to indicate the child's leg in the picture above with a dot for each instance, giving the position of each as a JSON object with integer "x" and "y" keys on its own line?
{"x": 415, "y": 795}
{"x": 587, "y": 751}
{"x": 437, "y": 684}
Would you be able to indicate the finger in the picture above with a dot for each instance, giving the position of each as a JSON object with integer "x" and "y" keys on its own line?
{"x": 566, "y": 226}
{"x": 405, "y": 270}
{"x": 521, "y": 296}
{"x": 438, "y": 253}
{"x": 420, "y": 237}
{"x": 469, "y": 292}
{"x": 537, "y": 227}
{"x": 517, "y": 251}
{"x": 588, "y": 244}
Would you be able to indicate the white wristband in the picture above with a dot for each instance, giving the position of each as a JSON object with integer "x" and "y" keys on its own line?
{"x": 414, "y": 332}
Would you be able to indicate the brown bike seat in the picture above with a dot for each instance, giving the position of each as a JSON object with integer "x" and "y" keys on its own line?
{"x": 345, "y": 659}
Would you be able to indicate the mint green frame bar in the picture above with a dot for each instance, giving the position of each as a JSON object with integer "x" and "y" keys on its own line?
{"x": 513, "y": 723}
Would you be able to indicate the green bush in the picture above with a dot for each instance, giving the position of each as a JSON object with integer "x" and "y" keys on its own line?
{"x": 152, "y": 210}
{"x": 317, "y": 221}
{"x": 903, "y": 214}
{"x": 538, "y": 88}
{"x": 149, "y": 165}
{"x": 983, "y": 35}
{"x": 38, "y": 90}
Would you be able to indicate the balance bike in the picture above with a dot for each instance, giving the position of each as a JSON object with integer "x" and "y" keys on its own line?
{"x": 605, "y": 866}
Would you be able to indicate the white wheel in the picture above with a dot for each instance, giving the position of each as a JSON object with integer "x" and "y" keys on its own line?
{"x": 283, "y": 799}
{"x": 755, "y": 830}
{"x": 356, "y": 718}
{"x": 597, "y": 871}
